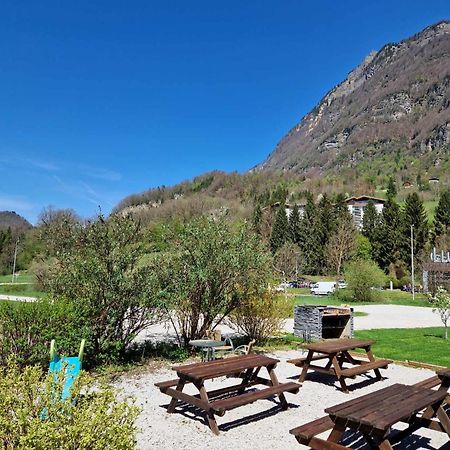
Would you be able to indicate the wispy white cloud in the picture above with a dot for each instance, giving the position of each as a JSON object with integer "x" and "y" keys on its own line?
{"x": 15, "y": 159}
{"x": 100, "y": 173}
{"x": 81, "y": 190}
{"x": 10, "y": 202}
{"x": 41, "y": 164}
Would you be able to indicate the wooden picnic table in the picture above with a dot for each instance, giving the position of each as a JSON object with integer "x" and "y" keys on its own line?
{"x": 337, "y": 353}
{"x": 374, "y": 414}
{"x": 246, "y": 367}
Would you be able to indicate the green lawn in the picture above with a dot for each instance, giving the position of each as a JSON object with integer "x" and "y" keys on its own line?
{"x": 26, "y": 290}
{"x": 386, "y": 297}
{"x": 22, "y": 287}
{"x": 426, "y": 345}
{"x": 414, "y": 344}
{"x": 22, "y": 277}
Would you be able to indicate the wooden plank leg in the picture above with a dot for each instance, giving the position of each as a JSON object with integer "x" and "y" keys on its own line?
{"x": 274, "y": 380}
{"x": 174, "y": 401}
{"x": 337, "y": 432}
{"x": 209, "y": 413}
{"x": 329, "y": 364}
{"x": 372, "y": 358}
{"x": 443, "y": 419}
{"x": 385, "y": 445}
{"x": 337, "y": 369}
{"x": 306, "y": 366}
{"x": 431, "y": 411}
{"x": 245, "y": 380}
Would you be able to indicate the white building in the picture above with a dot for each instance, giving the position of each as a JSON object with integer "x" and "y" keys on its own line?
{"x": 356, "y": 206}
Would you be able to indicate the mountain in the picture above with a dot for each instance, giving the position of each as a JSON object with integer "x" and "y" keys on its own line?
{"x": 390, "y": 115}
{"x": 10, "y": 219}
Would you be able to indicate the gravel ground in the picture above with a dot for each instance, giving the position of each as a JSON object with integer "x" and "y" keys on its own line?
{"x": 260, "y": 425}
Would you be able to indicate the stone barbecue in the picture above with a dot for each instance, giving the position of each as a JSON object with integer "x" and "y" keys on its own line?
{"x": 313, "y": 322}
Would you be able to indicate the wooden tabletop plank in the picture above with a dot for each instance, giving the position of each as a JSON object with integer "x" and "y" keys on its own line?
{"x": 229, "y": 368}
{"x": 338, "y": 345}
{"x": 210, "y": 363}
{"x": 216, "y": 368}
{"x": 356, "y": 404}
{"x": 412, "y": 404}
{"x": 384, "y": 408}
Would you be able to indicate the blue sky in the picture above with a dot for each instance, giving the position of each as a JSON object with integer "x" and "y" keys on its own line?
{"x": 101, "y": 99}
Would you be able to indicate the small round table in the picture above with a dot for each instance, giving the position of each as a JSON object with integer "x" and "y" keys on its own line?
{"x": 207, "y": 346}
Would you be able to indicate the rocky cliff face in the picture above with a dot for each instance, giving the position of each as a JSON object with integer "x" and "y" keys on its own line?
{"x": 396, "y": 102}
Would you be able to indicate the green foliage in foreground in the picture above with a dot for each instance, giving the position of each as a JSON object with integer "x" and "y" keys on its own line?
{"x": 413, "y": 344}
{"x": 26, "y": 330}
{"x": 33, "y": 417}
{"x": 100, "y": 274}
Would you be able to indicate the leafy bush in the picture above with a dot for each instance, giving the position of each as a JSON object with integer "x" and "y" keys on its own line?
{"x": 32, "y": 416}
{"x": 441, "y": 305}
{"x": 209, "y": 269}
{"x": 260, "y": 316}
{"x": 361, "y": 276}
{"x": 26, "y": 330}
{"x": 102, "y": 276}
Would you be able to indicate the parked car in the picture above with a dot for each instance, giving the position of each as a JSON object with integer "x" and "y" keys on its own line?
{"x": 299, "y": 284}
{"x": 323, "y": 288}
{"x": 341, "y": 284}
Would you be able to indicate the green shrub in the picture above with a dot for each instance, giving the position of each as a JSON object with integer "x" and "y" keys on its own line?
{"x": 31, "y": 417}
{"x": 101, "y": 274}
{"x": 361, "y": 276}
{"x": 26, "y": 330}
{"x": 261, "y": 316}
{"x": 210, "y": 269}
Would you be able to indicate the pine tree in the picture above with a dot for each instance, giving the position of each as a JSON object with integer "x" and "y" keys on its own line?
{"x": 442, "y": 215}
{"x": 388, "y": 237}
{"x": 327, "y": 218}
{"x": 257, "y": 218}
{"x": 310, "y": 238}
{"x": 340, "y": 207}
{"x": 370, "y": 221}
{"x": 391, "y": 189}
{"x": 280, "y": 229}
{"x": 414, "y": 214}
{"x": 294, "y": 225}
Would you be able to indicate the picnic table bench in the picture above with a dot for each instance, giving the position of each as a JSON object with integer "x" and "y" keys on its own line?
{"x": 337, "y": 354}
{"x": 374, "y": 415}
{"x": 246, "y": 367}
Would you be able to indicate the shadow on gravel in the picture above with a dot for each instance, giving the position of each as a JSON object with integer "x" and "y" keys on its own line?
{"x": 356, "y": 441}
{"x": 255, "y": 417}
{"x": 330, "y": 380}
{"x": 193, "y": 413}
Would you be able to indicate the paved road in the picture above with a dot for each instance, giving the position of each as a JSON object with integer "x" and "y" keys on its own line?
{"x": 390, "y": 316}
{"x": 379, "y": 316}
{"x": 396, "y": 316}
{"x": 17, "y": 298}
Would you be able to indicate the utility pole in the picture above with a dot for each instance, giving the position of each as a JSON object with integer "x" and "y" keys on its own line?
{"x": 412, "y": 260}
{"x": 14, "y": 264}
